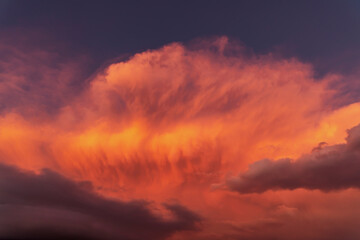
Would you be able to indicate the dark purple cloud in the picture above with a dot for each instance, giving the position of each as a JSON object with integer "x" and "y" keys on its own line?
{"x": 326, "y": 168}
{"x": 50, "y": 206}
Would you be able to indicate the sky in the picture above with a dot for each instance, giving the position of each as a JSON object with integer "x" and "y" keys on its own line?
{"x": 173, "y": 120}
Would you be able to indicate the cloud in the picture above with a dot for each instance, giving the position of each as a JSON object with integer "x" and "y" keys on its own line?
{"x": 163, "y": 124}
{"x": 49, "y": 206}
{"x": 176, "y": 115}
{"x": 326, "y": 168}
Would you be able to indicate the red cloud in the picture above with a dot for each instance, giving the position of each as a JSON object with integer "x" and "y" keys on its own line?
{"x": 168, "y": 123}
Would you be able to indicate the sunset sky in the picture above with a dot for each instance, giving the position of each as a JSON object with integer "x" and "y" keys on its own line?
{"x": 180, "y": 120}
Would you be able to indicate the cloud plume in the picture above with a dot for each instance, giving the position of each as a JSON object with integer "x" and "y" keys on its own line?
{"x": 171, "y": 116}
{"x": 163, "y": 125}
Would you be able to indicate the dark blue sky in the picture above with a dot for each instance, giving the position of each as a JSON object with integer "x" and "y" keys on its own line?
{"x": 325, "y": 33}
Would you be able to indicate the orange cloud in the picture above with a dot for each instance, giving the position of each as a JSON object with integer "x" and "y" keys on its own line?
{"x": 169, "y": 123}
